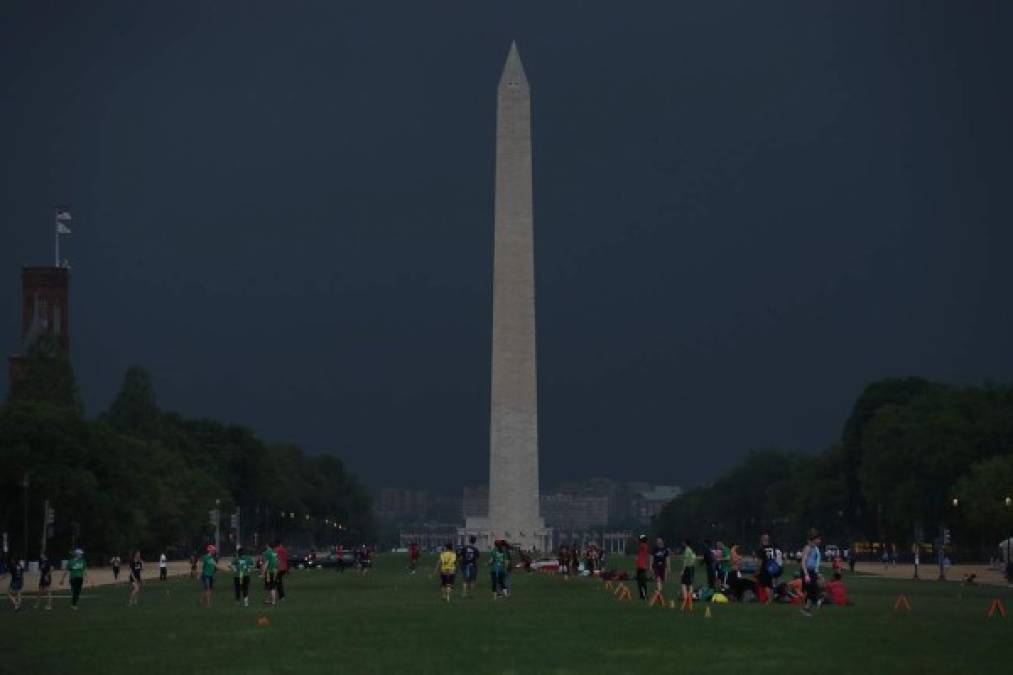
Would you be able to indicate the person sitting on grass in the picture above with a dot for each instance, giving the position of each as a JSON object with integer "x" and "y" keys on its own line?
{"x": 837, "y": 592}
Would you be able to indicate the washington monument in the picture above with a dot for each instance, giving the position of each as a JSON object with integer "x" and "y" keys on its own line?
{"x": 513, "y": 434}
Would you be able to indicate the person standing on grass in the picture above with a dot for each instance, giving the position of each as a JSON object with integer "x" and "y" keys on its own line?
{"x": 364, "y": 560}
{"x": 766, "y": 565}
{"x": 45, "y": 582}
{"x": 710, "y": 565}
{"x": 811, "y": 573}
{"x": 413, "y": 557}
{"x": 339, "y": 554}
{"x": 469, "y": 564}
{"x": 688, "y": 568}
{"x": 643, "y": 562}
{"x": 207, "y": 576}
{"x": 77, "y": 568}
{"x": 497, "y": 569}
{"x": 661, "y": 563}
{"x": 114, "y": 562}
{"x": 136, "y": 567}
{"x": 446, "y": 566}
{"x": 242, "y": 566}
{"x": 279, "y": 584}
{"x": 193, "y": 565}
{"x": 270, "y": 571}
{"x": 16, "y": 570}
{"x": 163, "y": 567}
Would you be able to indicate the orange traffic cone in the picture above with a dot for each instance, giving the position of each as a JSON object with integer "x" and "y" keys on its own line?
{"x": 262, "y": 621}
{"x": 657, "y": 598}
{"x": 902, "y": 602}
{"x": 995, "y": 607}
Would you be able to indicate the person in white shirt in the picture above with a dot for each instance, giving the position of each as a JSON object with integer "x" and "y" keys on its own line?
{"x": 163, "y": 567}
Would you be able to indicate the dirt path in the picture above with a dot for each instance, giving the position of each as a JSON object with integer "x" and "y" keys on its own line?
{"x": 103, "y": 576}
{"x": 984, "y": 575}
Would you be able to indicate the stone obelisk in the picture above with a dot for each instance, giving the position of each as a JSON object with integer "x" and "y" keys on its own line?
{"x": 513, "y": 435}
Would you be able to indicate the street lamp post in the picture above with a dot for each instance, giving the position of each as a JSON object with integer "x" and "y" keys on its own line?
{"x": 1009, "y": 539}
{"x": 218, "y": 521}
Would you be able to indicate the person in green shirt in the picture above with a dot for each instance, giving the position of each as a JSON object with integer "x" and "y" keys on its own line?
{"x": 724, "y": 563}
{"x": 242, "y": 566}
{"x": 497, "y": 569}
{"x": 77, "y": 568}
{"x": 207, "y": 577}
{"x": 688, "y": 567}
{"x": 270, "y": 576}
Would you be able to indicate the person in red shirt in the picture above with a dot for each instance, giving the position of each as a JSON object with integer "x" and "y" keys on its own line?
{"x": 413, "y": 557}
{"x": 279, "y": 548}
{"x": 643, "y": 563}
{"x": 837, "y": 591}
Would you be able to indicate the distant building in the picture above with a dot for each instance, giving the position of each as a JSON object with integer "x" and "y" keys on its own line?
{"x": 570, "y": 511}
{"x": 648, "y": 503}
{"x": 430, "y": 536}
{"x": 412, "y": 507}
{"x": 475, "y": 502}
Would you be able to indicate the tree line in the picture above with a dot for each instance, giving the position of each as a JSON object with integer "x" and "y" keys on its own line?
{"x": 915, "y": 457}
{"x": 137, "y": 476}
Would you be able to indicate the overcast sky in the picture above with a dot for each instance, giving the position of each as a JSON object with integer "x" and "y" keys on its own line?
{"x": 744, "y": 212}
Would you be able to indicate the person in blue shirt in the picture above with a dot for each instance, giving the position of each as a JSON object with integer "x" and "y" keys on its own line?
{"x": 811, "y": 573}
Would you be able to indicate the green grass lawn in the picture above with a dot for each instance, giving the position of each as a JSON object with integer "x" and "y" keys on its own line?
{"x": 390, "y": 622}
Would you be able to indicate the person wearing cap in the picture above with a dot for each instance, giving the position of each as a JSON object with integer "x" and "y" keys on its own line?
{"x": 207, "y": 577}
{"x": 77, "y": 568}
{"x": 45, "y": 582}
{"x": 136, "y": 568}
{"x": 242, "y": 566}
{"x": 643, "y": 563}
{"x": 811, "y": 572}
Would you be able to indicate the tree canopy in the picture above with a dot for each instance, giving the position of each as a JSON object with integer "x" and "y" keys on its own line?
{"x": 909, "y": 447}
{"x": 138, "y": 477}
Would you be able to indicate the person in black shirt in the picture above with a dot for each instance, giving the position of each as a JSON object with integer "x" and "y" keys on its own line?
{"x": 136, "y": 565}
{"x": 17, "y": 571}
{"x": 764, "y": 557}
{"x": 660, "y": 562}
{"x": 45, "y": 581}
{"x": 709, "y": 563}
{"x": 468, "y": 556}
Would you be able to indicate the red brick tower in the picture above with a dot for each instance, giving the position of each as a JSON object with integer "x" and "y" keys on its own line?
{"x": 45, "y": 309}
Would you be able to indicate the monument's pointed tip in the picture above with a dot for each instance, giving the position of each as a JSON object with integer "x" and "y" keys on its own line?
{"x": 513, "y": 69}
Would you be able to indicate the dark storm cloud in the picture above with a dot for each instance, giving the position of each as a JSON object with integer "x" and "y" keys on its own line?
{"x": 743, "y": 213}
